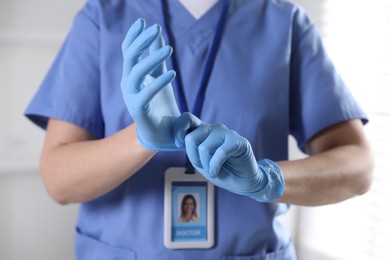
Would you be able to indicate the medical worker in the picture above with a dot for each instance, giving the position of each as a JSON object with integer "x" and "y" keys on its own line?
{"x": 139, "y": 87}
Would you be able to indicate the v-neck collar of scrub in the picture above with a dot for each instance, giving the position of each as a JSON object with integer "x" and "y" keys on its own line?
{"x": 182, "y": 20}
{"x": 199, "y": 7}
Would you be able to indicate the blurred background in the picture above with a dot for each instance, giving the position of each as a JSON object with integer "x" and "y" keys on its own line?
{"x": 357, "y": 36}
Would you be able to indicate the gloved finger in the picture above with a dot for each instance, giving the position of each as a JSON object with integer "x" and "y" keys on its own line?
{"x": 134, "y": 31}
{"x": 183, "y": 125}
{"x": 141, "y": 43}
{"x": 192, "y": 142}
{"x": 156, "y": 45}
{"x": 147, "y": 65}
{"x": 207, "y": 148}
{"x": 147, "y": 93}
{"x": 227, "y": 149}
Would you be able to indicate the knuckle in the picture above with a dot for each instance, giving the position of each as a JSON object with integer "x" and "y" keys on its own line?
{"x": 128, "y": 54}
{"x": 220, "y": 126}
{"x": 190, "y": 140}
{"x": 186, "y": 115}
{"x": 204, "y": 148}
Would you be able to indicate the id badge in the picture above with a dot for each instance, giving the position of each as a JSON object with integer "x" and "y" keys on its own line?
{"x": 188, "y": 210}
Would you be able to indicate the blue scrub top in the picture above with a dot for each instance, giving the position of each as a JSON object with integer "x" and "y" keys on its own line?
{"x": 271, "y": 78}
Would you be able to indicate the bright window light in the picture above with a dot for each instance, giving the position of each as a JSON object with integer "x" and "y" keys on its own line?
{"x": 356, "y": 34}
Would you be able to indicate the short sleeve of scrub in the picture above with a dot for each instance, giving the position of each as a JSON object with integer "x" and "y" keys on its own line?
{"x": 71, "y": 89}
{"x": 319, "y": 98}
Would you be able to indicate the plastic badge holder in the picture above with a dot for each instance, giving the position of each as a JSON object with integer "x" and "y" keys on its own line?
{"x": 199, "y": 231}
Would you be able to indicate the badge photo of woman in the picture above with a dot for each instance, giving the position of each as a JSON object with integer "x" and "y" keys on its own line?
{"x": 188, "y": 212}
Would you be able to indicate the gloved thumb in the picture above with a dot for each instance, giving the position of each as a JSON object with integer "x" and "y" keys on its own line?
{"x": 184, "y": 125}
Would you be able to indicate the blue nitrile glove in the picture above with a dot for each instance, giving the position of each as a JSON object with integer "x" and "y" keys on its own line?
{"x": 226, "y": 159}
{"x": 146, "y": 86}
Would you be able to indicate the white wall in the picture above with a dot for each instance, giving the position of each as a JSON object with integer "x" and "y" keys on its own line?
{"x": 32, "y": 226}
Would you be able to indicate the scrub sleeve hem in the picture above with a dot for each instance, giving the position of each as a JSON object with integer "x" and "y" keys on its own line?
{"x": 40, "y": 116}
{"x": 329, "y": 121}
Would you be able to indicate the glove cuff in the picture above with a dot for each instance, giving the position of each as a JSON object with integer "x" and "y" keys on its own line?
{"x": 273, "y": 180}
{"x": 161, "y": 147}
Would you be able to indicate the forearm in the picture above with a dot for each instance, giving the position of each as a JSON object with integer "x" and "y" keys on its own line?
{"x": 328, "y": 177}
{"x": 84, "y": 170}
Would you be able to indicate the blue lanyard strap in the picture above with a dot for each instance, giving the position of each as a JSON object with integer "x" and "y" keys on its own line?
{"x": 197, "y": 109}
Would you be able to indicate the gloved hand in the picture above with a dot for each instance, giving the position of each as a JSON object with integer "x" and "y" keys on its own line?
{"x": 226, "y": 159}
{"x": 146, "y": 86}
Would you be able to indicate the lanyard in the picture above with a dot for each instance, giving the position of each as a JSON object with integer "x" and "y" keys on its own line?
{"x": 197, "y": 109}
